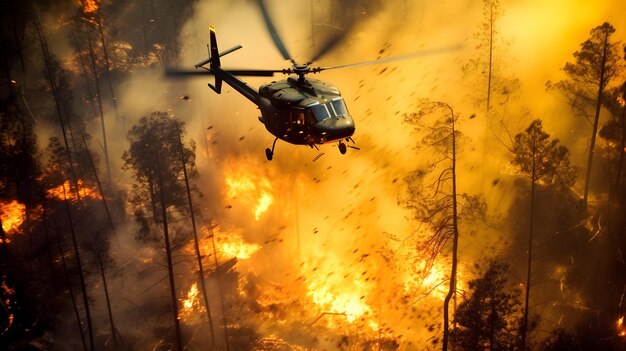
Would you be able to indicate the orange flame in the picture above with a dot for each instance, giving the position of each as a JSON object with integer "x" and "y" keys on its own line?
{"x": 252, "y": 189}
{"x": 228, "y": 244}
{"x": 62, "y": 191}
{"x": 192, "y": 306}
{"x": 621, "y": 330}
{"x": 13, "y": 214}
{"x": 90, "y": 6}
{"x": 434, "y": 282}
{"x": 338, "y": 293}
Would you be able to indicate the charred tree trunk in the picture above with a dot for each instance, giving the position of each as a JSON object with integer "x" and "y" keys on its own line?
{"x": 71, "y": 291}
{"x": 490, "y": 54}
{"x": 47, "y": 61}
{"x": 596, "y": 118}
{"x": 95, "y": 174}
{"x": 99, "y": 258}
{"x": 219, "y": 288}
{"x": 533, "y": 181}
{"x": 107, "y": 63}
{"x": 170, "y": 266}
{"x": 455, "y": 243}
{"x": 80, "y": 269}
{"x": 196, "y": 244}
{"x": 94, "y": 68}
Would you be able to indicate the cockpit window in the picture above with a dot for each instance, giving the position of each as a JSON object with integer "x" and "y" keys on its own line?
{"x": 340, "y": 107}
{"x": 320, "y": 112}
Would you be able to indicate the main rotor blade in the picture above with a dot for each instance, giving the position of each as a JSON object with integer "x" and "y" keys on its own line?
{"x": 238, "y": 72}
{"x": 274, "y": 33}
{"x": 328, "y": 46}
{"x": 397, "y": 58}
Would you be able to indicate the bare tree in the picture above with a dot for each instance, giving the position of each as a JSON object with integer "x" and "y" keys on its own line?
{"x": 437, "y": 204}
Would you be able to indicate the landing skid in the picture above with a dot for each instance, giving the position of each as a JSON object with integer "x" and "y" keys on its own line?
{"x": 269, "y": 154}
{"x": 343, "y": 147}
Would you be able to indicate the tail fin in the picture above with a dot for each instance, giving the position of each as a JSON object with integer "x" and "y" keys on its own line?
{"x": 214, "y": 60}
{"x": 214, "y": 56}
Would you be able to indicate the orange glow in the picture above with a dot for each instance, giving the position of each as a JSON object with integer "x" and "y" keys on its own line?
{"x": 90, "y": 6}
{"x": 192, "y": 306}
{"x": 434, "y": 283}
{"x": 341, "y": 294}
{"x": 621, "y": 330}
{"x": 250, "y": 188}
{"x": 621, "y": 101}
{"x": 7, "y": 293}
{"x": 62, "y": 191}
{"x": 228, "y": 244}
{"x": 13, "y": 214}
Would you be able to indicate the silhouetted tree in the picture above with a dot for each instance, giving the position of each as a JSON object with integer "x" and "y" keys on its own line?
{"x": 437, "y": 205}
{"x": 485, "y": 66}
{"x": 489, "y": 318}
{"x": 544, "y": 162}
{"x": 99, "y": 248}
{"x": 155, "y": 159}
{"x": 595, "y": 65}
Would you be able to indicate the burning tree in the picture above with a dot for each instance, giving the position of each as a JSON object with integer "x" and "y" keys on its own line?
{"x": 437, "y": 204}
{"x": 155, "y": 159}
{"x": 596, "y": 64}
{"x": 543, "y": 162}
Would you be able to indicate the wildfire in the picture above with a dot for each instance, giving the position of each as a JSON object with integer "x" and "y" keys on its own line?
{"x": 191, "y": 305}
{"x": 13, "y": 214}
{"x": 621, "y": 330}
{"x": 62, "y": 191}
{"x": 228, "y": 244}
{"x": 251, "y": 189}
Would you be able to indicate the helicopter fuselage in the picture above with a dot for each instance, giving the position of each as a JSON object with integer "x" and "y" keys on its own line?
{"x": 304, "y": 111}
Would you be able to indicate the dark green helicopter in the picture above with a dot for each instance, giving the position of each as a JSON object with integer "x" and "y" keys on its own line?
{"x": 298, "y": 110}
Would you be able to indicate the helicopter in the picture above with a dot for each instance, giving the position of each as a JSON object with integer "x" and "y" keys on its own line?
{"x": 299, "y": 110}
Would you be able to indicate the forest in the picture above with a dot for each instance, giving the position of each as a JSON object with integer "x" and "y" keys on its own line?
{"x": 482, "y": 210}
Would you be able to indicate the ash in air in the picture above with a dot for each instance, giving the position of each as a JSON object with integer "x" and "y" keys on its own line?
{"x": 364, "y": 175}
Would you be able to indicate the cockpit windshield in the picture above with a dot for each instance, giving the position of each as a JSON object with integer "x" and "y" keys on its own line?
{"x": 340, "y": 107}
{"x": 320, "y": 112}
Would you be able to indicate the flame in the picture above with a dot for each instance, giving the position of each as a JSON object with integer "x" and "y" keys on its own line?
{"x": 252, "y": 189}
{"x": 621, "y": 330}
{"x": 90, "y": 7}
{"x": 191, "y": 305}
{"x": 433, "y": 283}
{"x": 228, "y": 244}
{"x": 13, "y": 214}
{"x": 62, "y": 191}
{"x": 338, "y": 293}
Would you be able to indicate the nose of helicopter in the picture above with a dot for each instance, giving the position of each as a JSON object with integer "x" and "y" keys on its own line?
{"x": 337, "y": 127}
